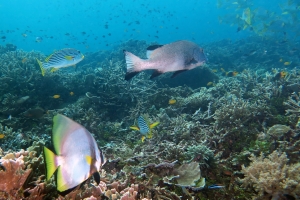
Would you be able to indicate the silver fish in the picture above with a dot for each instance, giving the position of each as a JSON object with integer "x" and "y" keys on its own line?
{"x": 59, "y": 59}
{"x": 175, "y": 57}
{"x": 78, "y": 155}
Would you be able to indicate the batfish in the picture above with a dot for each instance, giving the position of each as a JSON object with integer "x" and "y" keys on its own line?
{"x": 77, "y": 154}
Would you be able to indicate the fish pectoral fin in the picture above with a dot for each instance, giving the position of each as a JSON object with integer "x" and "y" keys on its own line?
{"x": 50, "y": 163}
{"x": 150, "y": 135}
{"x": 53, "y": 69}
{"x": 178, "y": 72}
{"x": 155, "y": 74}
{"x": 89, "y": 159}
{"x": 96, "y": 176}
{"x": 134, "y": 128}
{"x": 153, "y": 125}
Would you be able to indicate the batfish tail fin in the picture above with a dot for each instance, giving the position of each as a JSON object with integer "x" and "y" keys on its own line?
{"x": 50, "y": 162}
{"x": 133, "y": 64}
{"x": 41, "y": 67}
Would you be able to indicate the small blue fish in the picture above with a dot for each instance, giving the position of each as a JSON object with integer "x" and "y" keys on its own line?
{"x": 215, "y": 186}
{"x": 38, "y": 39}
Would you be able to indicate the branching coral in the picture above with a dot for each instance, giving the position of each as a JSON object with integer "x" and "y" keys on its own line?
{"x": 293, "y": 104}
{"x": 272, "y": 177}
{"x": 200, "y": 153}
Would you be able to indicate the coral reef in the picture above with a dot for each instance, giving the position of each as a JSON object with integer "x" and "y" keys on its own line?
{"x": 199, "y": 148}
{"x": 272, "y": 177}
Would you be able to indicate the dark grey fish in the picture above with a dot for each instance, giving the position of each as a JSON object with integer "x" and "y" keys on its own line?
{"x": 175, "y": 57}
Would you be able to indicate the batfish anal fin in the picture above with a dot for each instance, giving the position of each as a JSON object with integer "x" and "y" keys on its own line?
{"x": 96, "y": 176}
{"x": 155, "y": 74}
{"x": 178, "y": 72}
{"x": 130, "y": 75}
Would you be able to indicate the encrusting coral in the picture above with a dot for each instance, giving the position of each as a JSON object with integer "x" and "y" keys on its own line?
{"x": 13, "y": 175}
{"x": 272, "y": 177}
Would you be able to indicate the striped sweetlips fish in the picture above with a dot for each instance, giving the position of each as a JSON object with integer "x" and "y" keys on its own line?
{"x": 144, "y": 127}
{"x": 78, "y": 156}
{"x": 61, "y": 58}
{"x": 175, "y": 57}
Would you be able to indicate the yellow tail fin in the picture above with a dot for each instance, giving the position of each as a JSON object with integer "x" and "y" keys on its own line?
{"x": 41, "y": 67}
{"x": 51, "y": 166}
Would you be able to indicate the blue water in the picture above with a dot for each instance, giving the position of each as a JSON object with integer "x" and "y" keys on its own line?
{"x": 156, "y": 20}
{"x": 100, "y": 25}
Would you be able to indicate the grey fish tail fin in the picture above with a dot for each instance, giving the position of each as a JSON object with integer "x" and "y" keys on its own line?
{"x": 41, "y": 67}
{"x": 132, "y": 63}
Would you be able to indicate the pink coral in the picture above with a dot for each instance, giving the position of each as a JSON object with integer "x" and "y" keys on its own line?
{"x": 130, "y": 193}
{"x": 13, "y": 177}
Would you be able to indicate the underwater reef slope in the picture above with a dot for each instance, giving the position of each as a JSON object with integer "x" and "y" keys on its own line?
{"x": 227, "y": 130}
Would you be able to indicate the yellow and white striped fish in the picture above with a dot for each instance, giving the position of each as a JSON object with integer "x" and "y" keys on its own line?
{"x": 144, "y": 127}
{"x": 59, "y": 59}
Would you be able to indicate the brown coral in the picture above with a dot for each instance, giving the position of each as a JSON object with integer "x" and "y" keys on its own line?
{"x": 272, "y": 177}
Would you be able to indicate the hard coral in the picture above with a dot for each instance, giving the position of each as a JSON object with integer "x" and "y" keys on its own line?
{"x": 272, "y": 177}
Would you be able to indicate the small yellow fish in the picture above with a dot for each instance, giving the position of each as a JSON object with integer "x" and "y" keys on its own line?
{"x": 56, "y": 96}
{"x": 280, "y": 60}
{"x": 210, "y": 84}
{"x": 71, "y": 93}
{"x": 231, "y": 73}
{"x": 283, "y": 74}
{"x": 285, "y": 13}
{"x": 2, "y": 135}
{"x": 214, "y": 70}
{"x": 172, "y": 101}
{"x": 24, "y": 35}
{"x": 222, "y": 69}
{"x": 287, "y": 63}
{"x": 24, "y": 60}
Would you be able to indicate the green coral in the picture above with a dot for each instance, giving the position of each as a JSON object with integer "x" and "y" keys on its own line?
{"x": 200, "y": 153}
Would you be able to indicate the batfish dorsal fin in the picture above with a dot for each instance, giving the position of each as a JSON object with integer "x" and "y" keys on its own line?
{"x": 151, "y": 48}
{"x": 62, "y": 127}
